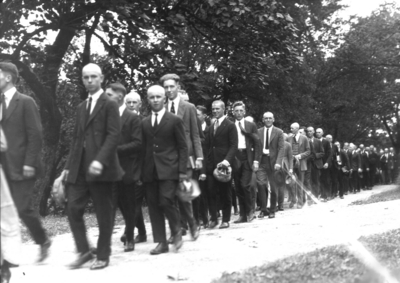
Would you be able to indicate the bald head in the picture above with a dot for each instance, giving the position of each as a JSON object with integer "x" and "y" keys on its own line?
{"x": 156, "y": 97}
{"x": 329, "y": 138}
{"x": 92, "y": 78}
{"x": 319, "y": 133}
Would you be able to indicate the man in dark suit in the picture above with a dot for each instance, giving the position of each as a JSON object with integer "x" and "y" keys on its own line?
{"x": 186, "y": 111}
{"x": 327, "y": 161}
{"x": 22, "y": 164}
{"x": 272, "y": 144}
{"x": 373, "y": 165}
{"x": 301, "y": 150}
{"x": 164, "y": 166}
{"x": 247, "y": 159}
{"x": 200, "y": 204}
{"x": 129, "y": 147}
{"x": 340, "y": 169}
{"x": 365, "y": 165}
{"x": 392, "y": 165}
{"x": 92, "y": 167}
{"x": 355, "y": 167}
{"x": 314, "y": 165}
{"x": 221, "y": 145}
{"x": 287, "y": 167}
{"x": 384, "y": 164}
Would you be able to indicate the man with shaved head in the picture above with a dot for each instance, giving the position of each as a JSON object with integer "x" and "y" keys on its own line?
{"x": 92, "y": 167}
{"x": 300, "y": 150}
{"x": 133, "y": 102}
{"x": 165, "y": 165}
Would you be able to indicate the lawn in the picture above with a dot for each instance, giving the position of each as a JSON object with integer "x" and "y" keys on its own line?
{"x": 384, "y": 196}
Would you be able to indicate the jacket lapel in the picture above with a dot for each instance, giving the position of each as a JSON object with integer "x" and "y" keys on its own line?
{"x": 13, "y": 104}
{"x": 181, "y": 109}
{"x": 124, "y": 117}
{"x": 98, "y": 106}
{"x": 161, "y": 123}
{"x": 273, "y": 134}
{"x": 220, "y": 128}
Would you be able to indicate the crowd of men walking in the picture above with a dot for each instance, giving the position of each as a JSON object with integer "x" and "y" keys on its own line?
{"x": 120, "y": 158}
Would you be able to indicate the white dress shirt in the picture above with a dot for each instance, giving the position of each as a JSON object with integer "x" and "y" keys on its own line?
{"x": 241, "y": 137}
{"x": 8, "y": 95}
{"x": 122, "y": 109}
{"x": 266, "y": 151}
{"x": 160, "y": 114}
{"x": 176, "y": 104}
{"x": 95, "y": 97}
{"x": 203, "y": 126}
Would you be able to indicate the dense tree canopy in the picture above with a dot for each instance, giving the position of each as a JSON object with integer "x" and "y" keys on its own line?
{"x": 288, "y": 57}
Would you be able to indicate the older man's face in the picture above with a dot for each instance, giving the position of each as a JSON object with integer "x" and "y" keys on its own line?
{"x": 132, "y": 104}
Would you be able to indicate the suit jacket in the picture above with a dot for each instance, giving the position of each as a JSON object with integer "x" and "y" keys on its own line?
{"x": 130, "y": 146}
{"x": 165, "y": 148}
{"x": 317, "y": 153}
{"x": 365, "y": 160}
{"x": 222, "y": 145}
{"x": 391, "y": 162}
{"x": 276, "y": 144}
{"x": 374, "y": 159}
{"x": 327, "y": 158}
{"x": 304, "y": 150}
{"x": 355, "y": 160}
{"x": 203, "y": 137}
{"x": 97, "y": 139}
{"x": 384, "y": 162}
{"x": 253, "y": 143}
{"x": 344, "y": 159}
{"x": 23, "y": 130}
{"x": 188, "y": 113}
{"x": 287, "y": 160}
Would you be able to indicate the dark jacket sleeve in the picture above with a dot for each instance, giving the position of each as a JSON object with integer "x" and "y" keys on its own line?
{"x": 33, "y": 128}
{"x": 135, "y": 145}
{"x": 233, "y": 143}
{"x": 281, "y": 148}
{"x": 179, "y": 132}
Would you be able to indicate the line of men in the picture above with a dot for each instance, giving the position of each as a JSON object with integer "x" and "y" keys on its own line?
{"x": 118, "y": 158}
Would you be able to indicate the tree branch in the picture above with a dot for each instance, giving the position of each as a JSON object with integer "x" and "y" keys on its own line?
{"x": 28, "y": 37}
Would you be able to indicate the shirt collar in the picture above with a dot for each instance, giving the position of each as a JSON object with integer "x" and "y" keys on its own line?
{"x": 122, "y": 109}
{"x": 269, "y": 127}
{"x": 175, "y": 101}
{"x": 10, "y": 93}
{"x": 159, "y": 113}
{"x": 96, "y": 95}
{"x": 221, "y": 119}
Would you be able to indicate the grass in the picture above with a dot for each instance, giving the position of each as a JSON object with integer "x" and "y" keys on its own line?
{"x": 383, "y": 196}
{"x": 330, "y": 264}
{"x": 58, "y": 224}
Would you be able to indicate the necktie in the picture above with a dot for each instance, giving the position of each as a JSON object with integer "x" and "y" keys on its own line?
{"x": 242, "y": 130}
{"x": 172, "y": 108}
{"x": 155, "y": 121}
{"x": 89, "y": 106}
{"x": 267, "y": 140}
{"x": 216, "y": 125}
{"x": 3, "y": 107}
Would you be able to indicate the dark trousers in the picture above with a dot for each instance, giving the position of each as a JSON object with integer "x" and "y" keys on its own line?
{"x": 372, "y": 175}
{"x": 242, "y": 178}
{"x": 200, "y": 206}
{"x": 337, "y": 181}
{"x": 161, "y": 199}
{"x": 325, "y": 183}
{"x": 186, "y": 209}
{"x": 22, "y": 193}
{"x": 225, "y": 195}
{"x": 102, "y": 195}
{"x": 312, "y": 177}
{"x": 265, "y": 175}
{"x": 355, "y": 182}
{"x": 366, "y": 179}
{"x": 125, "y": 200}
{"x": 140, "y": 194}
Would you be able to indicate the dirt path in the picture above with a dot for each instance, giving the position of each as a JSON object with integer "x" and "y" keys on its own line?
{"x": 217, "y": 251}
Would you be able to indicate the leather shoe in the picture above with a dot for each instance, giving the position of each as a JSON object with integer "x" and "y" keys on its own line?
{"x": 140, "y": 239}
{"x": 195, "y": 232}
{"x": 82, "y": 259}
{"x": 213, "y": 224}
{"x": 291, "y": 205}
{"x": 123, "y": 238}
{"x": 99, "y": 264}
{"x": 160, "y": 249}
{"x": 130, "y": 246}
{"x": 224, "y": 225}
{"x": 5, "y": 274}
{"x": 271, "y": 215}
{"x": 250, "y": 217}
{"x": 241, "y": 219}
{"x": 44, "y": 250}
{"x": 170, "y": 241}
{"x": 280, "y": 209}
{"x": 178, "y": 241}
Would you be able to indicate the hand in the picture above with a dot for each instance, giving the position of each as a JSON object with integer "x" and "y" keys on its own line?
{"x": 297, "y": 156}
{"x": 28, "y": 171}
{"x": 202, "y": 177}
{"x": 182, "y": 177}
{"x": 95, "y": 168}
{"x": 290, "y": 171}
{"x": 325, "y": 166}
{"x": 277, "y": 167}
{"x": 359, "y": 170}
{"x": 199, "y": 164}
{"x": 368, "y": 169}
{"x": 255, "y": 166}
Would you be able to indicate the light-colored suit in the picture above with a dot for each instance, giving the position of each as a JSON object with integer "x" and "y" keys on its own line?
{"x": 304, "y": 150}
